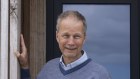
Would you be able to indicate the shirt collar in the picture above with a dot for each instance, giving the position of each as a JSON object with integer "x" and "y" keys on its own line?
{"x": 79, "y": 61}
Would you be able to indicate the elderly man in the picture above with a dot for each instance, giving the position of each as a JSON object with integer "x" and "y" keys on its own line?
{"x": 74, "y": 62}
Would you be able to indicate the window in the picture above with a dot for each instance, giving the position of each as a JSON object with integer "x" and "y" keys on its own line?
{"x": 57, "y": 6}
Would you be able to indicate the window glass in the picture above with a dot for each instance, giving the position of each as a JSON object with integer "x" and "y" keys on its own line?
{"x": 108, "y": 36}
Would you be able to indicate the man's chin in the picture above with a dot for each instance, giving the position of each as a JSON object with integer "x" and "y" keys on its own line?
{"x": 69, "y": 54}
{"x": 70, "y": 51}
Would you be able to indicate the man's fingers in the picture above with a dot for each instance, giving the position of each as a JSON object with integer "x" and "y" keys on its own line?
{"x": 17, "y": 54}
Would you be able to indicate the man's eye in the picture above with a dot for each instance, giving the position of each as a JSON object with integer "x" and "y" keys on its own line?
{"x": 65, "y": 36}
{"x": 76, "y": 37}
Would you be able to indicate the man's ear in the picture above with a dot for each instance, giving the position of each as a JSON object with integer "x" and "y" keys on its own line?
{"x": 85, "y": 38}
{"x": 57, "y": 36}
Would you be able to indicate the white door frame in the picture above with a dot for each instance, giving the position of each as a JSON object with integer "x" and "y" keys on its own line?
{"x": 9, "y": 38}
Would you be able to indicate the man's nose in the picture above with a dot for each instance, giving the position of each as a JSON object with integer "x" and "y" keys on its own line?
{"x": 71, "y": 41}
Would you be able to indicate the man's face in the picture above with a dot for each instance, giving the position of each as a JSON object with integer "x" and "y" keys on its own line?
{"x": 70, "y": 37}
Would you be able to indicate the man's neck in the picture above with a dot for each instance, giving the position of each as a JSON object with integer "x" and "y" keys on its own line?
{"x": 68, "y": 60}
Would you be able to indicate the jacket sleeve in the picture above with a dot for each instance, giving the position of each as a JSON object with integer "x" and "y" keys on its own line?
{"x": 25, "y": 74}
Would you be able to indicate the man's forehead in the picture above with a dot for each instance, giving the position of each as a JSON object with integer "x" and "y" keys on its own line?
{"x": 71, "y": 21}
{"x": 70, "y": 17}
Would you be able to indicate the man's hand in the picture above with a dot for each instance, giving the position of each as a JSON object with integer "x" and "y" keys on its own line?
{"x": 22, "y": 55}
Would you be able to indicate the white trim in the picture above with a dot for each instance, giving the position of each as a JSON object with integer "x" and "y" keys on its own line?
{"x": 4, "y": 39}
{"x": 15, "y": 24}
{"x": 9, "y": 38}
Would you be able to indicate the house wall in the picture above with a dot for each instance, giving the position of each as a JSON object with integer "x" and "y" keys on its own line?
{"x": 29, "y": 18}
